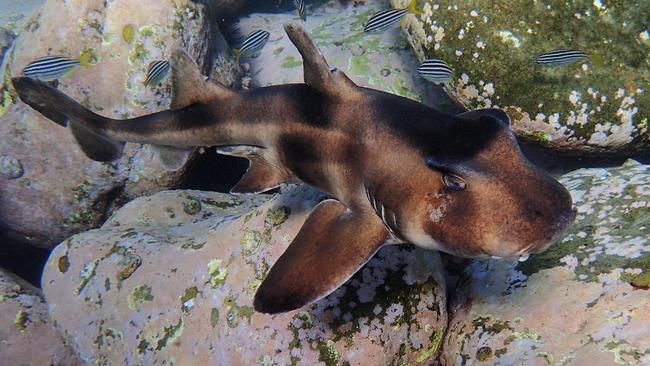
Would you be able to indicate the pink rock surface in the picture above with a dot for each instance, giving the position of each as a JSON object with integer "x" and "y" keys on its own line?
{"x": 172, "y": 278}
{"x": 27, "y": 335}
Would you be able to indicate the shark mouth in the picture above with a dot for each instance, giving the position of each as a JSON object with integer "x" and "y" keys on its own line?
{"x": 385, "y": 214}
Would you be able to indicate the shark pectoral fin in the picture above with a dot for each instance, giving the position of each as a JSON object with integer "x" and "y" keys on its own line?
{"x": 317, "y": 73}
{"x": 172, "y": 158}
{"x": 494, "y": 113}
{"x": 188, "y": 84}
{"x": 331, "y": 246}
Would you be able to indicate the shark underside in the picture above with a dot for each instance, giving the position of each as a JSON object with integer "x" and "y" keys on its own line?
{"x": 398, "y": 171}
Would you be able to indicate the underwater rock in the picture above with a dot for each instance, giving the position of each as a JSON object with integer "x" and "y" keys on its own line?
{"x": 27, "y": 336}
{"x": 598, "y": 105}
{"x": 172, "y": 276}
{"x": 584, "y": 301}
{"x": 381, "y": 61}
{"x": 115, "y": 41}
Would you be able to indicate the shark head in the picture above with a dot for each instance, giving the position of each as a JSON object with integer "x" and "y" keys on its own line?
{"x": 472, "y": 193}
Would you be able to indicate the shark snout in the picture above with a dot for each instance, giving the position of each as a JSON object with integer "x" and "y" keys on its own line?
{"x": 562, "y": 225}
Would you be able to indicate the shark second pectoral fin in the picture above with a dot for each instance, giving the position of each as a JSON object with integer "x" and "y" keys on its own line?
{"x": 261, "y": 175}
{"x": 331, "y": 246}
{"x": 172, "y": 158}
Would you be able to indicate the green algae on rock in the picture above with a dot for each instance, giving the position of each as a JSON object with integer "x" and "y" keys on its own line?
{"x": 599, "y": 104}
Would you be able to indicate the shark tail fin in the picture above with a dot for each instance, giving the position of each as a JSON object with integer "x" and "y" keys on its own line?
{"x": 189, "y": 86}
{"x": 87, "y": 127}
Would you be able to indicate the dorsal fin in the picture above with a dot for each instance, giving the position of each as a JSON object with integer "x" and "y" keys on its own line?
{"x": 189, "y": 86}
{"x": 317, "y": 73}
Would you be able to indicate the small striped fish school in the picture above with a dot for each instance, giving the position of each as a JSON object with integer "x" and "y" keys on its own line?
{"x": 388, "y": 18}
{"x": 435, "y": 70}
{"x": 560, "y": 57}
{"x": 302, "y": 11}
{"x": 253, "y": 43}
{"x": 49, "y": 68}
{"x": 156, "y": 72}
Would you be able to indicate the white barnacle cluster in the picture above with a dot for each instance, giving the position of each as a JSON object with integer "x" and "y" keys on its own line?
{"x": 508, "y": 37}
{"x": 482, "y": 93}
{"x": 620, "y": 132}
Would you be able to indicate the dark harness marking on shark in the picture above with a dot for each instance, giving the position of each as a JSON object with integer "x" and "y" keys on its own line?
{"x": 397, "y": 170}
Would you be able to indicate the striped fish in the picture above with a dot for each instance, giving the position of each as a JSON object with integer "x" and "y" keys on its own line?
{"x": 49, "y": 68}
{"x": 388, "y": 18}
{"x": 156, "y": 72}
{"x": 253, "y": 43}
{"x": 435, "y": 70}
{"x": 384, "y": 19}
{"x": 300, "y": 7}
{"x": 560, "y": 57}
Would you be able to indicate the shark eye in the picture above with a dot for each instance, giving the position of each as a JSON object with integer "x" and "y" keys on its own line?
{"x": 453, "y": 182}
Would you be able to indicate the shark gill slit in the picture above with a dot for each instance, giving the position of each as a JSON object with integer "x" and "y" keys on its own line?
{"x": 382, "y": 215}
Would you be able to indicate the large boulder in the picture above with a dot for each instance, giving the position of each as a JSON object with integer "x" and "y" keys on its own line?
{"x": 27, "y": 335}
{"x": 598, "y": 105}
{"x": 585, "y": 301}
{"x": 52, "y": 189}
{"x": 172, "y": 277}
{"x": 381, "y": 61}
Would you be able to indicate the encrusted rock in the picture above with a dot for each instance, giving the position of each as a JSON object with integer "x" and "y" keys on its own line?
{"x": 584, "y": 301}
{"x": 600, "y": 104}
{"x": 27, "y": 336}
{"x": 63, "y": 191}
{"x": 160, "y": 281}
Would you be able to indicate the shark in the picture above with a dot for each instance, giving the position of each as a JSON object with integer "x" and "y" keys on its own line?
{"x": 397, "y": 171}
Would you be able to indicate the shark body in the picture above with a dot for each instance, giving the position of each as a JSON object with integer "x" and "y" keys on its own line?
{"x": 398, "y": 171}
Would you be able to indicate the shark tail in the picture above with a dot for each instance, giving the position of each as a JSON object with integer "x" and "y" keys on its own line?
{"x": 87, "y": 127}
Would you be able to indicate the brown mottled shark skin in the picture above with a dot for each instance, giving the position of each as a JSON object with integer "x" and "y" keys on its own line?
{"x": 398, "y": 171}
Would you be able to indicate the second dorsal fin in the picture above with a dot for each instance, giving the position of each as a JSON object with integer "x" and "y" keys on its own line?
{"x": 317, "y": 73}
{"x": 188, "y": 84}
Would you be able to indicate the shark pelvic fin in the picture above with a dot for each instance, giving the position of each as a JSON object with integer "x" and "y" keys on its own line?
{"x": 317, "y": 73}
{"x": 331, "y": 246}
{"x": 189, "y": 86}
{"x": 172, "y": 158}
{"x": 261, "y": 175}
